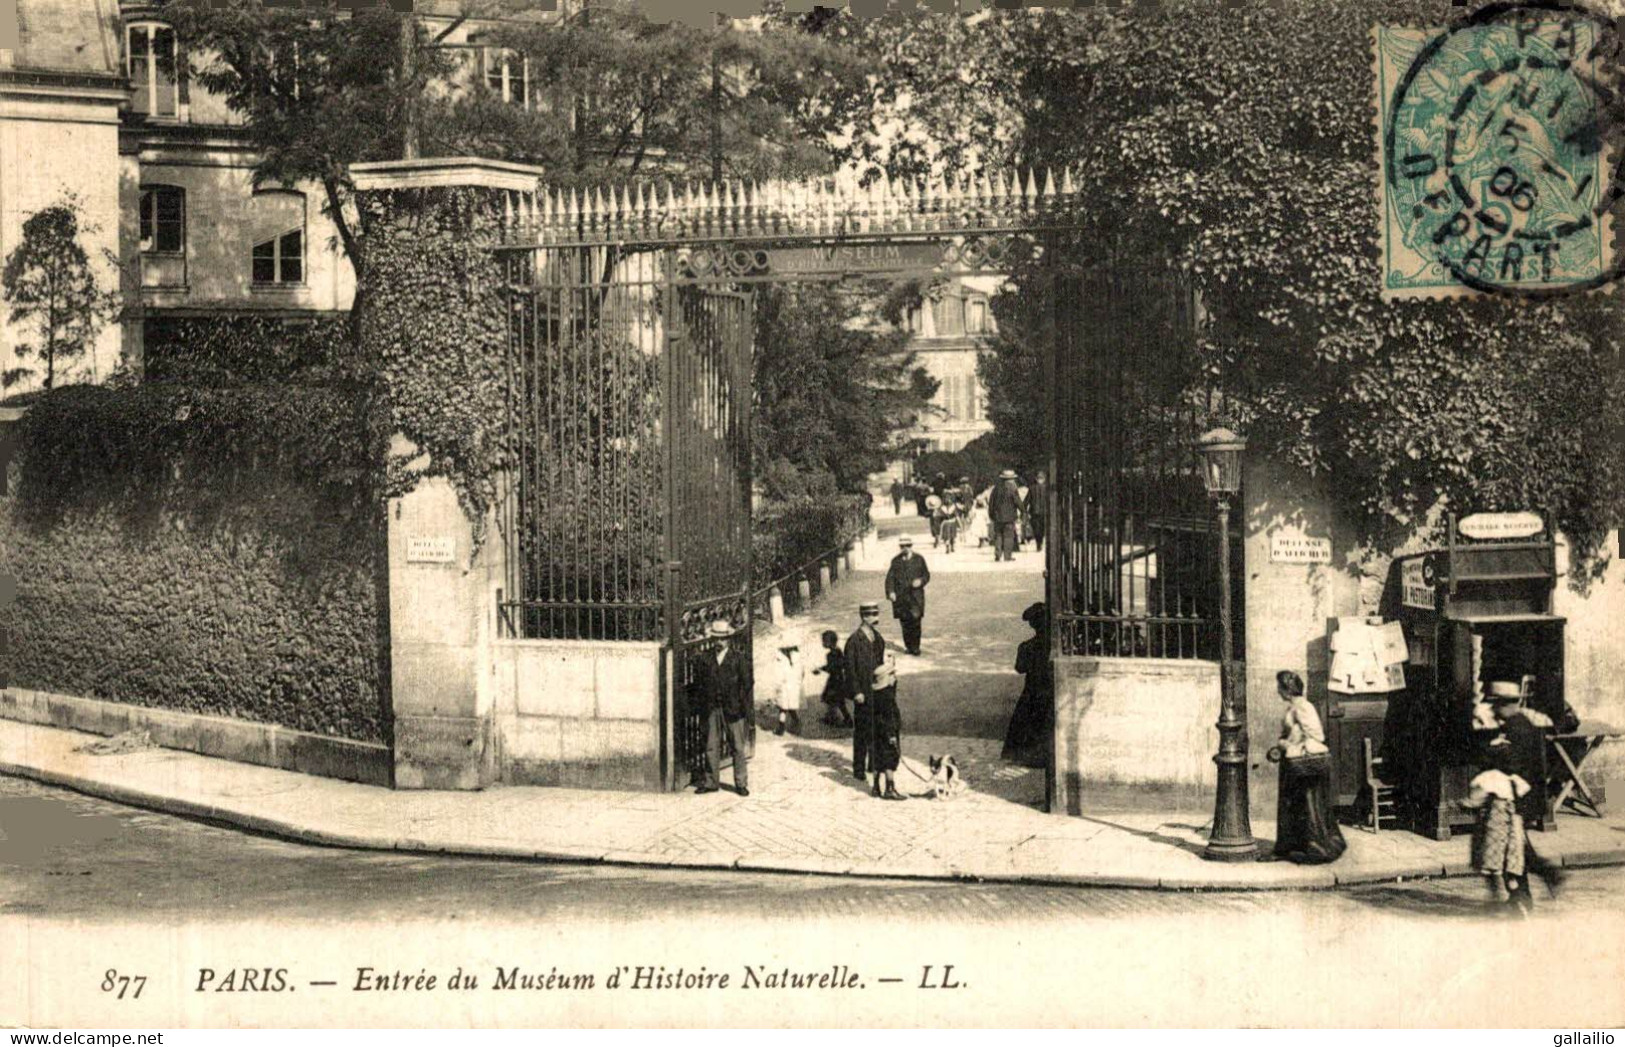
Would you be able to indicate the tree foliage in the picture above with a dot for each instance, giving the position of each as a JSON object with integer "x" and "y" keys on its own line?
{"x": 620, "y": 95}
{"x": 835, "y": 386}
{"x": 51, "y": 287}
{"x": 1235, "y": 142}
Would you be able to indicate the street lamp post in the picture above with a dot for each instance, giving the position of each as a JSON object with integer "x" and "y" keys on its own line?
{"x": 1231, "y": 839}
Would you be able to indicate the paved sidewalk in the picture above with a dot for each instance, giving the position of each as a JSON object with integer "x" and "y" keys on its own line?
{"x": 805, "y": 813}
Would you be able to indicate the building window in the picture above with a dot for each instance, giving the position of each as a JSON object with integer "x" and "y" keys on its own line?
{"x": 976, "y": 315}
{"x": 949, "y": 314}
{"x": 507, "y": 74}
{"x": 916, "y": 320}
{"x": 150, "y": 63}
{"x": 163, "y": 220}
{"x": 281, "y": 259}
{"x": 274, "y": 223}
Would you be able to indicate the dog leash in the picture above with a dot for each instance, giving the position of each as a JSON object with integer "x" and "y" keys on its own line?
{"x": 906, "y": 762}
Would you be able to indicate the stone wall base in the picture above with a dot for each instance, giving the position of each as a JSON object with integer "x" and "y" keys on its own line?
{"x": 244, "y": 741}
{"x": 1134, "y": 732}
{"x": 578, "y": 713}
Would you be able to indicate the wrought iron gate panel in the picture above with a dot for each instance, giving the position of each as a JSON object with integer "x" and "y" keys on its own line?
{"x": 625, "y": 512}
{"x": 583, "y": 512}
{"x": 709, "y": 347}
{"x": 1137, "y": 569}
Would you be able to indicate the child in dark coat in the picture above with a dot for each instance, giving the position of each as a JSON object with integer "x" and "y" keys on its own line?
{"x": 837, "y": 687}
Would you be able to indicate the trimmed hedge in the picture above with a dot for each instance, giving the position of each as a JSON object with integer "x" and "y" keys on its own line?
{"x": 206, "y": 550}
{"x": 787, "y": 535}
{"x": 229, "y": 349}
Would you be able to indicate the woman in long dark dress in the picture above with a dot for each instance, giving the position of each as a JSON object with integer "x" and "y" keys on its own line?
{"x": 1306, "y": 829}
{"x": 1027, "y": 739}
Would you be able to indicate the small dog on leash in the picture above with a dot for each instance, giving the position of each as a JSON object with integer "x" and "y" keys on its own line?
{"x": 945, "y": 781}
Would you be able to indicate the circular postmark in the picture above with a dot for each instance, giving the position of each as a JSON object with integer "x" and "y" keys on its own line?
{"x": 1496, "y": 165}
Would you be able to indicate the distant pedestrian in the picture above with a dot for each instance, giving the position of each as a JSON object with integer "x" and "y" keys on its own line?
{"x": 906, "y": 580}
{"x": 723, "y": 690}
{"x": 949, "y": 528}
{"x": 1038, "y": 509}
{"x": 922, "y": 491}
{"x": 940, "y": 517}
{"x": 1306, "y": 829}
{"x": 790, "y": 667}
{"x": 977, "y": 523}
{"x": 897, "y": 497}
{"x": 837, "y": 682}
{"x": 1004, "y": 506}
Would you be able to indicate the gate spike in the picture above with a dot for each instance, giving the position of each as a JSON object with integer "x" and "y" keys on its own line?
{"x": 1049, "y": 185}
{"x": 1031, "y": 192}
{"x": 1067, "y": 188}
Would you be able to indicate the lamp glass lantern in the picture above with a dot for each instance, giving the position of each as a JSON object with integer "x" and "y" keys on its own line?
{"x": 1221, "y": 462}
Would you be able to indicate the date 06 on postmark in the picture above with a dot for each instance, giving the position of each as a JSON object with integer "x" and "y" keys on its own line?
{"x": 1494, "y": 169}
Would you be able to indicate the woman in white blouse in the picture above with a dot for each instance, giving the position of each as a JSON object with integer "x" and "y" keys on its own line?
{"x": 1306, "y": 825}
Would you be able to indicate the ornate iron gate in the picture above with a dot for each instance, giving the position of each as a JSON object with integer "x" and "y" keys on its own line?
{"x": 1133, "y": 563}
{"x": 626, "y": 513}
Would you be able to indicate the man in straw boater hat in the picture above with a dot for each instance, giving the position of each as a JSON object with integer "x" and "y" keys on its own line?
{"x": 1004, "y": 506}
{"x": 906, "y": 580}
{"x": 723, "y": 690}
{"x": 875, "y": 733}
{"x": 1519, "y": 751}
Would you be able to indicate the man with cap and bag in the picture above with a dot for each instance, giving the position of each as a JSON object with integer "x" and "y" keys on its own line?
{"x": 1518, "y": 751}
{"x": 906, "y": 580}
{"x": 722, "y": 689}
{"x": 876, "y": 735}
{"x": 1004, "y": 506}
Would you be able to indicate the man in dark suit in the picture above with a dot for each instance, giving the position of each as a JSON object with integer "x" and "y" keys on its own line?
{"x": 1003, "y": 508}
{"x": 897, "y": 497}
{"x": 865, "y": 652}
{"x": 722, "y": 688}
{"x": 1038, "y": 509}
{"x": 906, "y": 580}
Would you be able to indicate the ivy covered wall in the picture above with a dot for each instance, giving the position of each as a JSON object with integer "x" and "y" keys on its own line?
{"x": 209, "y": 550}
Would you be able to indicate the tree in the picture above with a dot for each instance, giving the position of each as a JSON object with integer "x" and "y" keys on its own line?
{"x": 620, "y": 96}
{"x": 316, "y": 94}
{"x": 835, "y": 387}
{"x": 50, "y": 285}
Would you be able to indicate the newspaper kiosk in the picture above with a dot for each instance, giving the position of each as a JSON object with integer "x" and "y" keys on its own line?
{"x": 1477, "y": 610}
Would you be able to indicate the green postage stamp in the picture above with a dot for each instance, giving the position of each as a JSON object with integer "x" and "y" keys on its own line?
{"x": 1493, "y": 172}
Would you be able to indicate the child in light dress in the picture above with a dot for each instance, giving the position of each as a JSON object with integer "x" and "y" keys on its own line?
{"x": 789, "y": 665}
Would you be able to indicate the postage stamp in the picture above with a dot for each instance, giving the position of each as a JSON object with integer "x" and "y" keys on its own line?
{"x": 1494, "y": 177}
